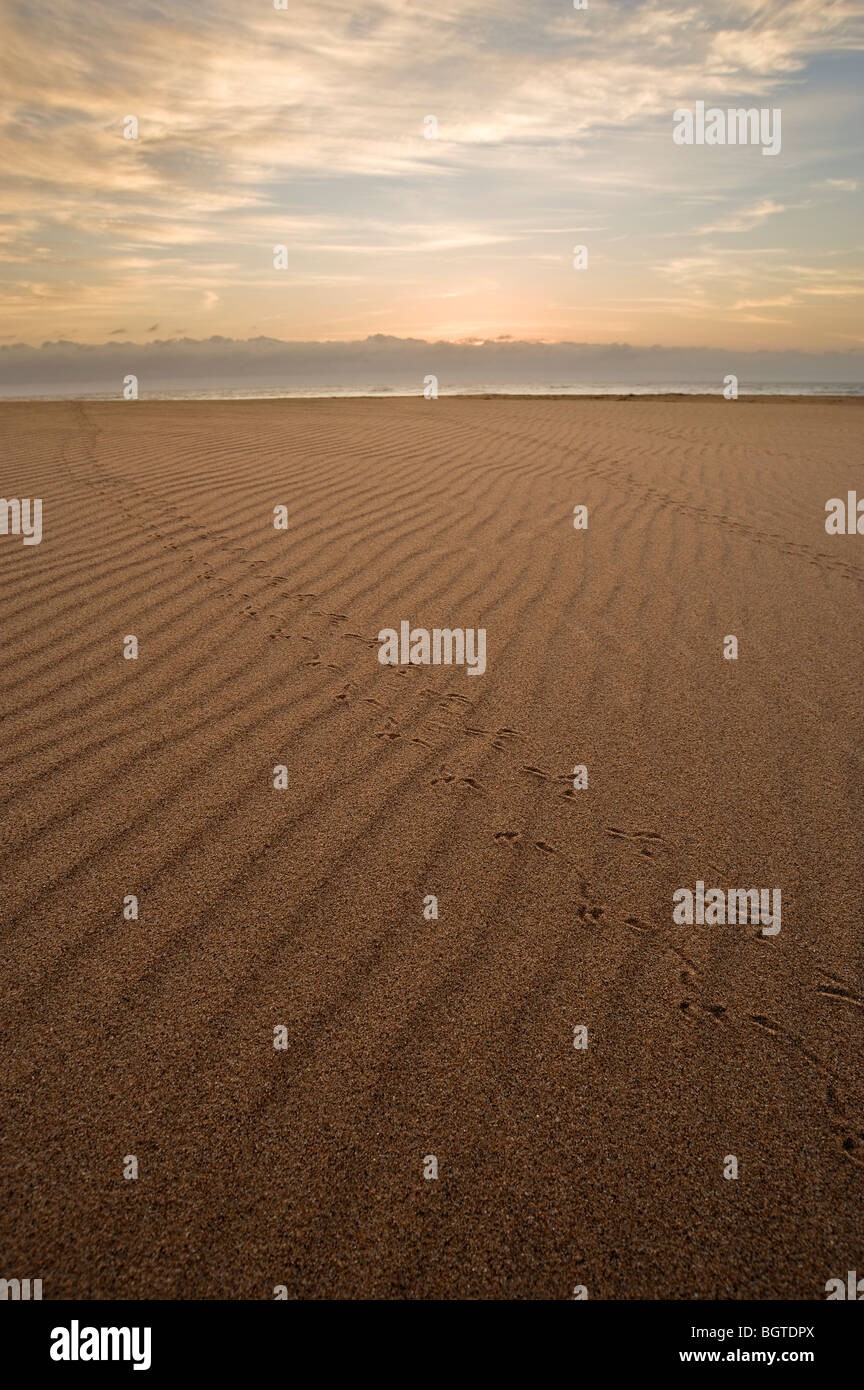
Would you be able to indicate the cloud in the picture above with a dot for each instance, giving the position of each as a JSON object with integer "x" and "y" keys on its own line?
{"x": 783, "y": 302}
{"x": 746, "y": 219}
{"x": 305, "y": 127}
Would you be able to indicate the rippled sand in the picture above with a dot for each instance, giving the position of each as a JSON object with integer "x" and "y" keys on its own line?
{"x": 409, "y": 1037}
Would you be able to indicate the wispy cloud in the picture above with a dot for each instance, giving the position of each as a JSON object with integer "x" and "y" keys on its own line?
{"x": 746, "y": 219}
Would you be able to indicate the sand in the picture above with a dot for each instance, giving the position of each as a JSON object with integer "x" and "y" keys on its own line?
{"x": 303, "y": 908}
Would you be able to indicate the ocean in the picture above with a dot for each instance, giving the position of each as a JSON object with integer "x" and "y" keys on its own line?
{"x": 328, "y": 392}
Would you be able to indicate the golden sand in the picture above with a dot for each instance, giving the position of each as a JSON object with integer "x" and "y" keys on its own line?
{"x": 303, "y": 908}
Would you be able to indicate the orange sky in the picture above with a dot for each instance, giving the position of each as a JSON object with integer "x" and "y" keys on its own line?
{"x": 305, "y": 128}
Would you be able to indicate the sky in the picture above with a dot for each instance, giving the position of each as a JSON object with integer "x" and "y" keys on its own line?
{"x": 304, "y": 127}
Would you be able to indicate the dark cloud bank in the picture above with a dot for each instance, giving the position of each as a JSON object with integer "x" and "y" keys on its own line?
{"x": 379, "y": 362}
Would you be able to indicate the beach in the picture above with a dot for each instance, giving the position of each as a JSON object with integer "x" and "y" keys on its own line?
{"x": 306, "y": 907}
